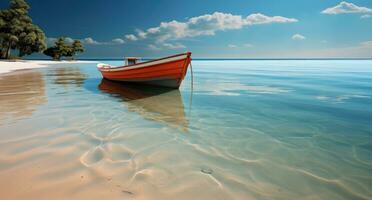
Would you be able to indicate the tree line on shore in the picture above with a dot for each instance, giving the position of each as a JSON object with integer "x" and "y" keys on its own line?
{"x": 62, "y": 49}
{"x": 19, "y": 33}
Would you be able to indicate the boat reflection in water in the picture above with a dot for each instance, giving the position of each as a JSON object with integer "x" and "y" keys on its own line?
{"x": 155, "y": 103}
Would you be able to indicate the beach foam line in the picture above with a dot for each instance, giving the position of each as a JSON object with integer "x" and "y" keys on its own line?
{"x": 9, "y": 66}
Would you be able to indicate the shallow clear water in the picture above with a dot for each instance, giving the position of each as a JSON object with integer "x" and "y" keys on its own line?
{"x": 279, "y": 129}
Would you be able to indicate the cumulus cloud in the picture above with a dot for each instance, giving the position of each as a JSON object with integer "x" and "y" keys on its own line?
{"x": 366, "y": 44}
{"x": 346, "y": 7}
{"x": 162, "y": 36}
{"x": 90, "y": 40}
{"x": 153, "y": 47}
{"x": 365, "y": 16}
{"x": 359, "y": 50}
{"x": 118, "y": 41}
{"x": 298, "y": 37}
{"x": 166, "y": 46}
{"x": 259, "y": 18}
{"x": 51, "y": 40}
{"x": 69, "y": 40}
{"x": 243, "y": 45}
{"x": 141, "y": 34}
{"x": 174, "y": 46}
{"x": 131, "y": 37}
{"x": 204, "y": 25}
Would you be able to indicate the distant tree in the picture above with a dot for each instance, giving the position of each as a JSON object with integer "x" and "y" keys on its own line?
{"x": 52, "y": 52}
{"x": 61, "y": 49}
{"x": 18, "y": 32}
{"x": 77, "y": 47}
{"x": 56, "y": 51}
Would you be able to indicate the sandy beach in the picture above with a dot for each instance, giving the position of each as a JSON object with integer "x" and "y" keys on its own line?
{"x": 7, "y": 66}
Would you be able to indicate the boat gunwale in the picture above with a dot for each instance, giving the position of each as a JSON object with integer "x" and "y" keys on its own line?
{"x": 146, "y": 62}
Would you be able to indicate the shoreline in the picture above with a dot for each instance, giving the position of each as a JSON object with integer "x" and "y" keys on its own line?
{"x": 8, "y": 66}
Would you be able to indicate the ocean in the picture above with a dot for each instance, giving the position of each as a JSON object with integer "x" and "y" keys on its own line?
{"x": 246, "y": 129}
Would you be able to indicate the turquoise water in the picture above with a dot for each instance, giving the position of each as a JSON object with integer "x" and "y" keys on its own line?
{"x": 267, "y": 129}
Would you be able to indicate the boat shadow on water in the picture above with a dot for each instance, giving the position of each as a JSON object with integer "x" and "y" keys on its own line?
{"x": 159, "y": 104}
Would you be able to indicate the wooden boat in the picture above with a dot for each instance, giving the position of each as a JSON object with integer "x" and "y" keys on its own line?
{"x": 168, "y": 71}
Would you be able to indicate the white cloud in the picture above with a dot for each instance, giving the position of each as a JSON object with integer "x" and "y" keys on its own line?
{"x": 236, "y": 46}
{"x": 90, "y": 40}
{"x": 153, "y": 47}
{"x": 345, "y": 7}
{"x": 165, "y": 46}
{"x": 366, "y": 44}
{"x": 298, "y": 37}
{"x": 361, "y": 50}
{"x": 259, "y": 18}
{"x": 118, "y": 41}
{"x": 174, "y": 46}
{"x": 69, "y": 40}
{"x": 51, "y": 40}
{"x": 204, "y": 25}
{"x": 131, "y": 37}
{"x": 248, "y": 45}
{"x": 365, "y": 16}
{"x": 141, "y": 34}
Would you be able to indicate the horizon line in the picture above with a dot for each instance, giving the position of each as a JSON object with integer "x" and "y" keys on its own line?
{"x": 205, "y": 58}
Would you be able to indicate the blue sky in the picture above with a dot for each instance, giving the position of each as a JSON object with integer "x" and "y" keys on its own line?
{"x": 211, "y": 28}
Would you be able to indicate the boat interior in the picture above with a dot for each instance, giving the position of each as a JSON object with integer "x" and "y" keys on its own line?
{"x": 131, "y": 60}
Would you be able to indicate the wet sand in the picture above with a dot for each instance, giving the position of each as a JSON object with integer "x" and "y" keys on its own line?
{"x": 11, "y": 65}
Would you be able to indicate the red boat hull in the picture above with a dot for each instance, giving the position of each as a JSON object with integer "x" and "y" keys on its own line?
{"x": 169, "y": 71}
